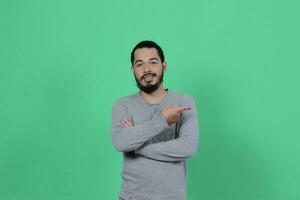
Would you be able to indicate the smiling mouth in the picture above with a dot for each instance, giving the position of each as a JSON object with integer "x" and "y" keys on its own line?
{"x": 148, "y": 77}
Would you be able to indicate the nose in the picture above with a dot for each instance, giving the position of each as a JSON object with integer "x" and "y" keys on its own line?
{"x": 146, "y": 67}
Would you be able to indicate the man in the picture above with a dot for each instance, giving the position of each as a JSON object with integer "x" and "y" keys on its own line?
{"x": 156, "y": 129}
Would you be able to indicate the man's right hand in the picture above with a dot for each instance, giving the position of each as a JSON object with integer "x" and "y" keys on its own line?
{"x": 172, "y": 113}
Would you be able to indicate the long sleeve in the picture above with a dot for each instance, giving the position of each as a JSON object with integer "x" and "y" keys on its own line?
{"x": 181, "y": 148}
{"x": 129, "y": 139}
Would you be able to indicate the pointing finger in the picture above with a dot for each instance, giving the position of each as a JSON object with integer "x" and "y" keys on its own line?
{"x": 184, "y": 108}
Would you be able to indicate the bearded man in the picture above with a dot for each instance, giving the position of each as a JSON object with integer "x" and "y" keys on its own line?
{"x": 156, "y": 129}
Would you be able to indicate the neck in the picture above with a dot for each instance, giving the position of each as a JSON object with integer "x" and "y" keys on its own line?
{"x": 155, "y": 97}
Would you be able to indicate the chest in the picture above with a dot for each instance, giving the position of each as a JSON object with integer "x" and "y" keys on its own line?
{"x": 142, "y": 115}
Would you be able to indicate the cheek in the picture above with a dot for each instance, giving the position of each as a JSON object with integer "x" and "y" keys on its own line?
{"x": 137, "y": 74}
{"x": 158, "y": 73}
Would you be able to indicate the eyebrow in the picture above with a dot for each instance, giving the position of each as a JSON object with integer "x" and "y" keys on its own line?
{"x": 142, "y": 60}
{"x": 153, "y": 59}
{"x": 138, "y": 61}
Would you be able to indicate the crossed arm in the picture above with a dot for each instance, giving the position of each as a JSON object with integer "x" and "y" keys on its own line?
{"x": 127, "y": 139}
{"x": 130, "y": 137}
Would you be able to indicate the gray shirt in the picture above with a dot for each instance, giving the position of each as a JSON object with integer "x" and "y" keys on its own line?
{"x": 154, "y": 160}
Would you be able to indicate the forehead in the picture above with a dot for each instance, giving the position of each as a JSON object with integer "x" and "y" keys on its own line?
{"x": 145, "y": 54}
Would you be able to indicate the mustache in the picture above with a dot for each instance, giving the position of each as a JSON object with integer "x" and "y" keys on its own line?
{"x": 148, "y": 74}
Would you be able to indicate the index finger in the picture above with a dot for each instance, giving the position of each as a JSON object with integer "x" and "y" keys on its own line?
{"x": 184, "y": 108}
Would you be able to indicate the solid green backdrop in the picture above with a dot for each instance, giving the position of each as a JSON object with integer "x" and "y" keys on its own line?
{"x": 63, "y": 64}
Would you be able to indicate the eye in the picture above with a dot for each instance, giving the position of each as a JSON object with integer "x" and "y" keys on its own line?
{"x": 139, "y": 64}
{"x": 153, "y": 62}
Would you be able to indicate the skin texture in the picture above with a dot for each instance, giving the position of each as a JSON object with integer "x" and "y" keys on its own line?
{"x": 148, "y": 69}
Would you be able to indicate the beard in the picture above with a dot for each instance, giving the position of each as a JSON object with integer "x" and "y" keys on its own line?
{"x": 149, "y": 88}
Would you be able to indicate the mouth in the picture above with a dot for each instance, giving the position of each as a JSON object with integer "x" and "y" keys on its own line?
{"x": 148, "y": 77}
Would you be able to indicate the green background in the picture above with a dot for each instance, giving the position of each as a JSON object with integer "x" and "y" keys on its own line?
{"x": 63, "y": 63}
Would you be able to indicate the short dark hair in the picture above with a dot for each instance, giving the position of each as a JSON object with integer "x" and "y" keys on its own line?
{"x": 148, "y": 44}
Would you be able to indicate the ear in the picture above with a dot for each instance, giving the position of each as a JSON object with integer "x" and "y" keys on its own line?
{"x": 164, "y": 66}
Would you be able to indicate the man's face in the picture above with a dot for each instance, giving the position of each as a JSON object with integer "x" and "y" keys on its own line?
{"x": 148, "y": 69}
